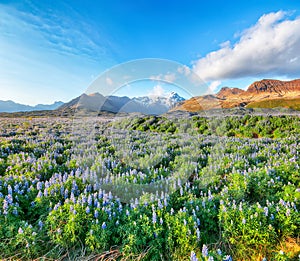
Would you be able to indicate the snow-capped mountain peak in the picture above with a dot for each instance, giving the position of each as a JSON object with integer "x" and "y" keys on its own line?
{"x": 169, "y": 100}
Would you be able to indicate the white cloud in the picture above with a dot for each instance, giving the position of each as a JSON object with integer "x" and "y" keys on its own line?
{"x": 270, "y": 47}
{"x": 213, "y": 86}
{"x": 168, "y": 77}
{"x": 157, "y": 91}
{"x": 185, "y": 70}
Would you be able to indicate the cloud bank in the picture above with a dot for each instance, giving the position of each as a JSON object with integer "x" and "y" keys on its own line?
{"x": 271, "y": 47}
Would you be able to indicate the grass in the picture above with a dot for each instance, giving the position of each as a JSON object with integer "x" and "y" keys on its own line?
{"x": 290, "y": 103}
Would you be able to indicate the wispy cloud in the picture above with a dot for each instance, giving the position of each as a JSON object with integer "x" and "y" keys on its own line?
{"x": 46, "y": 56}
{"x": 270, "y": 47}
{"x": 59, "y": 32}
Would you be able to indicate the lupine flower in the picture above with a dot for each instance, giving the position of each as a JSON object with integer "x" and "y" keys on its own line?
{"x": 204, "y": 251}
{"x": 198, "y": 233}
{"x": 266, "y": 210}
{"x": 39, "y": 185}
{"x": 41, "y": 224}
{"x": 153, "y": 217}
{"x": 228, "y": 258}
{"x": 20, "y": 230}
{"x": 219, "y": 251}
{"x": 90, "y": 200}
{"x": 5, "y": 207}
{"x": 9, "y": 190}
{"x": 161, "y": 221}
{"x": 193, "y": 256}
{"x": 15, "y": 211}
{"x": 103, "y": 225}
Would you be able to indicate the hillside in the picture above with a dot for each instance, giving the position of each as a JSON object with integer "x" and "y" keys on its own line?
{"x": 260, "y": 94}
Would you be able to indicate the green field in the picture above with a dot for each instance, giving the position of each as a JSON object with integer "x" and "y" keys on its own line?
{"x": 150, "y": 188}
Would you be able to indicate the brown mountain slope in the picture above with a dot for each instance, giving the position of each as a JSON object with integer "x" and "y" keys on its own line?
{"x": 256, "y": 94}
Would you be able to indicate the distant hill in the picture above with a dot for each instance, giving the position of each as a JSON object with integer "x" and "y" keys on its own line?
{"x": 266, "y": 93}
{"x": 145, "y": 105}
{"x": 10, "y": 106}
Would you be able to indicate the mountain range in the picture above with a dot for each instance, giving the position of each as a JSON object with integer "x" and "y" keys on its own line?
{"x": 266, "y": 93}
{"x": 10, "y": 106}
{"x": 145, "y": 105}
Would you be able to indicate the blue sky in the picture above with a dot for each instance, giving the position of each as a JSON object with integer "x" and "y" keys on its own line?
{"x": 54, "y": 50}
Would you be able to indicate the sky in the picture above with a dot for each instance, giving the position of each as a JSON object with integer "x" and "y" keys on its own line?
{"x": 55, "y": 50}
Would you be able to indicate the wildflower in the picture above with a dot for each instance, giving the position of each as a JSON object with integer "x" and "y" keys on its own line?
{"x": 198, "y": 233}
{"x": 228, "y": 258}
{"x": 172, "y": 211}
{"x": 87, "y": 210}
{"x": 66, "y": 193}
{"x": 15, "y": 211}
{"x": 219, "y": 251}
{"x": 210, "y": 196}
{"x": 204, "y": 251}
{"x": 266, "y": 210}
{"x": 181, "y": 191}
{"x": 90, "y": 200}
{"x": 103, "y": 225}
{"x": 39, "y": 185}
{"x": 193, "y": 256}
{"x": 161, "y": 221}
{"x": 153, "y": 217}
{"x": 160, "y": 206}
{"x": 41, "y": 224}
{"x": 20, "y": 230}
{"x": 9, "y": 190}
{"x": 244, "y": 221}
{"x": 210, "y": 258}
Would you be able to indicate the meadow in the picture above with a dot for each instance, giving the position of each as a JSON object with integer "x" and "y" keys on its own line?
{"x": 150, "y": 188}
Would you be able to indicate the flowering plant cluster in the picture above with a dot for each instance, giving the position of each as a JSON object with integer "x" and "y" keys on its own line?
{"x": 90, "y": 187}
